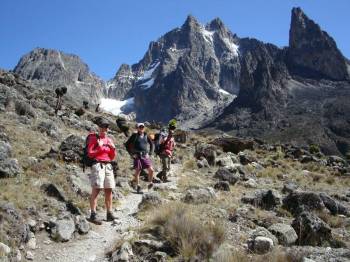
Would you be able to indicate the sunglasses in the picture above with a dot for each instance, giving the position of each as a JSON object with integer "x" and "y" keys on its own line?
{"x": 141, "y": 127}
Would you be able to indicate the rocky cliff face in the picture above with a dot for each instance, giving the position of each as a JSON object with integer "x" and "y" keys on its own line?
{"x": 53, "y": 69}
{"x": 292, "y": 94}
{"x": 312, "y": 52}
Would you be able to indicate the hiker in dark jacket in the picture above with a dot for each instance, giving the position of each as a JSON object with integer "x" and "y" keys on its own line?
{"x": 137, "y": 146}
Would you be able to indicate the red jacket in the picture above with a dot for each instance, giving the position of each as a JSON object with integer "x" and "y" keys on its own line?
{"x": 106, "y": 152}
{"x": 169, "y": 144}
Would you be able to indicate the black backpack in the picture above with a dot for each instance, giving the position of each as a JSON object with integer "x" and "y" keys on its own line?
{"x": 87, "y": 161}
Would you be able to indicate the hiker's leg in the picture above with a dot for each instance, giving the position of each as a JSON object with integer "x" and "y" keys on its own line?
{"x": 150, "y": 174}
{"x": 108, "y": 199}
{"x": 93, "y": 199}
{"x": 137, "y": 176}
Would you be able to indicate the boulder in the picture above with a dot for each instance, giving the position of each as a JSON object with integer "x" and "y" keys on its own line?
{"x": 199, "y": 195}
{"x": 289, "y": 187}
{"x": 266, "y": 199}
{"x": 246, "y": 158}
{"x": 123, "y": 254}
{"x": 224, "y": 174}
{"x": 62, "y": 229}
{"x": 82, "y": 225}
{"x": 299, "y": 201}
{"x": 234, "y": 144}
{"x": 71, "y": 149}
{"x": 206, "y": 151}
{"x": 222, "y": 185}
{"x": 260, "y": 245}
{"x": 335, "y": 207}
{"x": 9, "y": 168}
{"x": 261, "y": 241}
{"x": 224, "y": 161}
{"x": 4, "y": 249}
{"x": 202, "y": 163}
{"x": 285, "y": 234}
{"x": 151, "y": 199}
{"x": 5, "y": 150}
{"x": 311, "y": 230}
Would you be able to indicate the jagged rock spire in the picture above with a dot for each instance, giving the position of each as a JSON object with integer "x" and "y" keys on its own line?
{"x": 312, "y": 52}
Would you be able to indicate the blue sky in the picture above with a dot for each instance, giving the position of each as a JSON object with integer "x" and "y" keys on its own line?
{"x": 107, "y": 33}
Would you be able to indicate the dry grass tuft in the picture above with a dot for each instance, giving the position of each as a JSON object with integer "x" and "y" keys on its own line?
{"x": 187, "y": 234}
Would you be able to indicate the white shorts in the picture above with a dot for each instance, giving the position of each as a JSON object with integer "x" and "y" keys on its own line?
{"x": 102, "y": 176}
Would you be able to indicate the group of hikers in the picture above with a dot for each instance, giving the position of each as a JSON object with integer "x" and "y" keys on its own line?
{"x": 101, "y": 150}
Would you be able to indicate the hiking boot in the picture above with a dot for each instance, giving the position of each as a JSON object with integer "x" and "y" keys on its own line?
{"x": 160, "y": 175}
{"x": 139, "y": 189}
{"x": 150, "y": 185}
{"x": 165, "y": 179}
{"x": 111, "y": 216}
{"x": 93, "y": 219}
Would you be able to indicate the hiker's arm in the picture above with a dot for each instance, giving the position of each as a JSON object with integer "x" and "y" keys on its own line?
{"x": 93, "y": 148}
{"x": 111, "y": 152}
{"x": 151, "y": 145}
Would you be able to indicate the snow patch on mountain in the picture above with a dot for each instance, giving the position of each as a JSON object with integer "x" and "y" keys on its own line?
{"x": 207, "y": 35}
{"x": 231, "y": 46}
{"x": 117, "y": 107}
{"x": 224, "y": 92}
{"x": 148, "y": 74}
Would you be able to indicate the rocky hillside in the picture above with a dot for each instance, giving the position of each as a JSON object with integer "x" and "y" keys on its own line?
{"x": 228, "y": 199}
{"x": 51, "y": 69}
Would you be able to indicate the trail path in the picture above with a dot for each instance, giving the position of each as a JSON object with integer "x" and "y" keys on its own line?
{"x": 100, "y": 239}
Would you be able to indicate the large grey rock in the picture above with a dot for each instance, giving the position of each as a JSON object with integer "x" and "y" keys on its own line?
{"x": 206, "y": 151}
{"x": 311, "y": 230}
{"x": 199, "y": 195}
{"x": 82, "y": 225}
{"x": 4, "y": 249}
{"x": 222, "y": 185}
{"x": 5, "y": 150}
{"x": 124, "y": 254}
{"x": 71, "y": 149}
{"x": 151, "y": 199}
{"x": 261, "y": 241}
{"x": 225, "y": 174}
{"x": 9, "y": 168}
{"x": 234, "y": 144}
{"x": 62, "y": 229}
{"x": 285, "y": 234}
{"x": 298, "y": 201}
{"x": 335, "y": 207}
{"x": 266, "y": 199}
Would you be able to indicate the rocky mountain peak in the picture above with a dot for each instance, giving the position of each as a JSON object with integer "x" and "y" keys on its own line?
{"x": 191, "y": 23}
{"x": 53, "y": 68}
{"x": 313, "y": 52}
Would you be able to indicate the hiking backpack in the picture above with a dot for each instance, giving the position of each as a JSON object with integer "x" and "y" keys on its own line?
{"x": 158, "y": 147}
{"x": 87, "y": 161}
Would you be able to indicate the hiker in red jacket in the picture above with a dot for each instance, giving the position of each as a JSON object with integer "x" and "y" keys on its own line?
{"x": 167, "y": 144}
{"x": 101, "y": 148}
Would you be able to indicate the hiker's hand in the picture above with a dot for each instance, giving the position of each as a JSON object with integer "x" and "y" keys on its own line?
{"x": 134, "y": 156}
{"x": 100, "y": 143}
